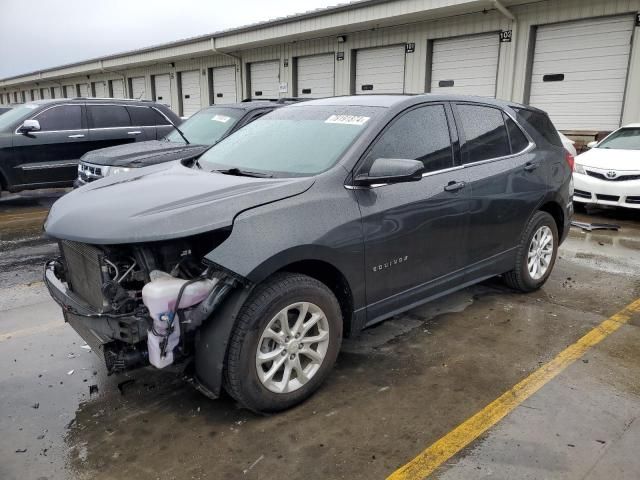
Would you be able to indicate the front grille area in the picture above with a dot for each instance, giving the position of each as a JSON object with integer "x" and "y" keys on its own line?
{"x": 88, "y": 172}
{"x": 634, "y": 200}
{"x": 619, "y": 178}
{"x": 610, "y": 198}
{"x": 581, "y": 193}
{"x": 84, "y": 273}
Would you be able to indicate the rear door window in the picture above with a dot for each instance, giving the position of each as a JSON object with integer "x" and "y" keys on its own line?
{"x": 108, "y": 116}
{"x": 146, "y": 117}
{"x": 484, "y": 132}
{"x": 518, "y": 140}
{"x": 420, "y": 134}
{"x": 61, "y": 117}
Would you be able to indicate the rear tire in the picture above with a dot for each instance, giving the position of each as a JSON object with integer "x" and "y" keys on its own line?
{"x": 536, "y": 254}
{"x": 284, "y": 344}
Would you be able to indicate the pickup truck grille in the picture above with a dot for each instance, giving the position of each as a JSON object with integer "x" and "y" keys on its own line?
{"x": 84, "y": 272}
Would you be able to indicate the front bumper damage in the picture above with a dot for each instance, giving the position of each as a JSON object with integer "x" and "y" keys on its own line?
{"x": 103, "y": 332}
{"x": 123, "y": 339}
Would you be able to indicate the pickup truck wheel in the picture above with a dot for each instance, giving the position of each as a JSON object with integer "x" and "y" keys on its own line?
{"x": 284, "y": 344}
{"x": 535, "y": 255}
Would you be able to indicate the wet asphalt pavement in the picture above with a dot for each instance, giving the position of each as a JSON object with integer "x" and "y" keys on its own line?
{"x": 396, "y": 389}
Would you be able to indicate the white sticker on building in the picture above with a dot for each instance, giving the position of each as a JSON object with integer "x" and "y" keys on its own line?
{"x": 221, "y": 118}
{"x": 347, "y": 119}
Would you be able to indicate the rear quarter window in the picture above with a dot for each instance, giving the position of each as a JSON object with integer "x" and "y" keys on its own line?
{"x": 540, "y": 123}
{"x": 146, "y": 117}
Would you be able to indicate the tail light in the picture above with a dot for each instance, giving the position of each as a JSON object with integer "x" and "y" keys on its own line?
{"x": 570, "y": 160}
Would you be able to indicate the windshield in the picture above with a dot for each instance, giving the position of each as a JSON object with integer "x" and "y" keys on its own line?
{"x": 15, "y": 115}
{"x": 207, "y": 126}
{"x": 623, "y": 139}
{"x": 291, "y": 141}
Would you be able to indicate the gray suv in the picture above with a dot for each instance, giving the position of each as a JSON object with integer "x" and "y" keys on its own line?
{"x": 41, "y": 142}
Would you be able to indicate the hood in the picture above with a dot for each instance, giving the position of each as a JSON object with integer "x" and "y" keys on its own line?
{"x": 610, "y": 159}
{"x": 161, "y": 202}
{"x": 142, "y": 154}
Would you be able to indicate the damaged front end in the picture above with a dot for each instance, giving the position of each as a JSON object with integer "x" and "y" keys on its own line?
{"x": 141, "y": 303}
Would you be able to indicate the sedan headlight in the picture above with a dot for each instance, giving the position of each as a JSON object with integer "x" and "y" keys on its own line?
{"x": 578, "y": 168}
{"x": 114, "y": 170}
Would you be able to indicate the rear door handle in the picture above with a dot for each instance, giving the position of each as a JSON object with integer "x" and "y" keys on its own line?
{"x": 136, "y": 132}
{"x": 454, "y": 186}
{"x": 530, "y": 166}
{"x": 79, "y": 135}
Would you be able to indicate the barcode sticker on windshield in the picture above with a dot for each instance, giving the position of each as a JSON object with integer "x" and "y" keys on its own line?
{"x": 221, "y": 118}
{"x": 347, "y": 119}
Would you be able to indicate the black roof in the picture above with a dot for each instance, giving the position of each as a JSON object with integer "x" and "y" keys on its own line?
{"x": 388, "y": 101}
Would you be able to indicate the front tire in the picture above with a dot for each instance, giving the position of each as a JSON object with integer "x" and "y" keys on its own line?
{"x": 536, "y": 254}
{"x": 284, "y": 344}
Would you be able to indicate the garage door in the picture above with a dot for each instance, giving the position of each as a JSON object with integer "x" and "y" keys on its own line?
{"x": 580, "y": 70}
{"x": 190, "y": 92}
{"x": 117, "y": 89}
{"x": 138, "y": 88}
{"x": 466, "y": 65}
{"x": 84, "y": 90}
{"x": 100, "y": 89}
{"x": 380, "y": 70}
{"x": 315, "y": 76}
{"x": 265, "y": 79}
{"x": 57, "y": 92}
{"x": 224, "y": 85}
{"x": 45, "y": 93}
{"x": 162, "y": 88}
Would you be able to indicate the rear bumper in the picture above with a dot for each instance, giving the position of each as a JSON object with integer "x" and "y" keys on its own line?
{"x": 588, "y": 189}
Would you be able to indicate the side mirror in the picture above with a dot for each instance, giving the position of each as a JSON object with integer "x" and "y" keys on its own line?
{"x": 592, "y": 144}
{"x": 29, "y": 126}
{"x": 392, "y": 170}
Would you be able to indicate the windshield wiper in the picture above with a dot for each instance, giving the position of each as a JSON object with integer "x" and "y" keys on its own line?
{"x": 174, "y": 126}
{"x": 244, "y": 173}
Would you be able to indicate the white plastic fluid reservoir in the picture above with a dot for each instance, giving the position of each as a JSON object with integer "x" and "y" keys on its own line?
{"x": 160, "y": 296}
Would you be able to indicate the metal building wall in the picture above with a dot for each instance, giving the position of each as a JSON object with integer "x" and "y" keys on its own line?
{"x": 365, "y": 32}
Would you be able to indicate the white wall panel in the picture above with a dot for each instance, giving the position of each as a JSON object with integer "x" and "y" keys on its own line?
{"x": 138, "y": 88}
{"x": 224, "y": 85}
{"x": 466, "y": 65}
{"x": 315, "y": 76}
{"x": 117, "y": 88}
{"x": 380, "y": 70}
{"x": 162, "y": 89}
{"x": 190, "y": 92}
{"x": 580, "y": 71}
{"x": 264, "y": 79}
{"x": 100, "y": 89}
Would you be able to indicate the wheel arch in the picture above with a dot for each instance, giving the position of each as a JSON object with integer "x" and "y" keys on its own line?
{"x": 334, "y": 279}
{"x": 554, "y": 209}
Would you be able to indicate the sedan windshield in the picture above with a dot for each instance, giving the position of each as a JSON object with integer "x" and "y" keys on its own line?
{"x": 291, "y": 141}
{"x": 623, "y": 139}
{"x": 15, "y": 115}
{"x": 207, "y": 126}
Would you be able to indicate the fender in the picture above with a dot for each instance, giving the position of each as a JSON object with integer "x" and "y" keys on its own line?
{"x": 267, "y": 238}
{"x": 212, "y": 340}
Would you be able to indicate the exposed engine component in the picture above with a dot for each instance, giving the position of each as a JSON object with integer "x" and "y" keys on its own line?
{"x": 120, "y": 358}
{"x": 164, "y": 295}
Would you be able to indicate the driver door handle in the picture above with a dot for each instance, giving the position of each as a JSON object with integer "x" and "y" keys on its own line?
{"x": 136, "y": 132}
{"x": 453, "y": 186}
{"x": 530, "y": 166}
{"x": 79, "y": 135}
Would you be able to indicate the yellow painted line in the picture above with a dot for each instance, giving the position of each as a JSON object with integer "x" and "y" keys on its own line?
{"x": 465, "y": 433}
{"x": 30, "y": 331}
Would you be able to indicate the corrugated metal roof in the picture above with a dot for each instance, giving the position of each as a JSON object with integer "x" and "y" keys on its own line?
{"x": 268, "y": 23}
